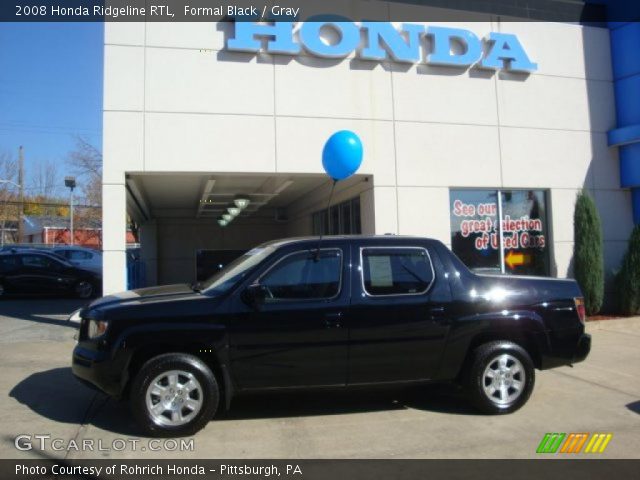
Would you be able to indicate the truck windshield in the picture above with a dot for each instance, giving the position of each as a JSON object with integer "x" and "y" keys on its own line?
{"x": 237, "y": 270}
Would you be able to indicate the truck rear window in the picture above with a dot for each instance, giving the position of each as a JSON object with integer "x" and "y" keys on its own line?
{"x": 396, "y": 271}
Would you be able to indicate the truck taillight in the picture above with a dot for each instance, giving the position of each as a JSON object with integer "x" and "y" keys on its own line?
{"x": 582, "y": 314}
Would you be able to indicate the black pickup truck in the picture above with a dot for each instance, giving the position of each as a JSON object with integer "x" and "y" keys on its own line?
{"x": 349, "y": 311}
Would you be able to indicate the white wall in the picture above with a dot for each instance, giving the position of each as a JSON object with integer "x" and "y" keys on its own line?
{"x": 173, "y": 98}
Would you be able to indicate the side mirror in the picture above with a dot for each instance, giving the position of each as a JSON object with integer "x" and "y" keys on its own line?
{"x": 254, "y": 296}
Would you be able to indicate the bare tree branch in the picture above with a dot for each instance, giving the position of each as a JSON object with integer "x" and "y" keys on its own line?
{"x": 8, "y": 171}
{"x": 86, "y": 163}
{"x": 86, "y": 160}
{"x": 8, "y": 167}
{"x": 45, "y": 180}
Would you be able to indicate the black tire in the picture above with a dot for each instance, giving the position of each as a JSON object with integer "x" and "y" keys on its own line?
{"x": 84, "y": 289}
{"x": 158, "y": 366}
{"x": 479, "y": 382}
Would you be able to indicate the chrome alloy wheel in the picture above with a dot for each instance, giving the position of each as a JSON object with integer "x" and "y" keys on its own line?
{"x": 504, "y": 379}
{"x": 84, "y": 289}
{"x": 174, "y": 398}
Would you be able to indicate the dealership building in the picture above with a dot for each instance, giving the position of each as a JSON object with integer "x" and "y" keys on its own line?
{"x": 476, "y": 133}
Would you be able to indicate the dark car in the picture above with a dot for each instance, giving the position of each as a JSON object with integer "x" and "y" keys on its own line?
{"x": 37, "y": 272}
{"x": 354, "y": 311}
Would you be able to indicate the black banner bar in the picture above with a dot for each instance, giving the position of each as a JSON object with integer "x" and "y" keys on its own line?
{"x": 547, "y": 469}
{"x": 594, "y": 11}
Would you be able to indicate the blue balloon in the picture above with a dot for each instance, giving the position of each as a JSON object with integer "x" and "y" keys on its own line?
{"x": 342, "y": 155}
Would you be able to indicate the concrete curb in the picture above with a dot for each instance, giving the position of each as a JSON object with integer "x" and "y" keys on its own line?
{"x": 598, "y": 324}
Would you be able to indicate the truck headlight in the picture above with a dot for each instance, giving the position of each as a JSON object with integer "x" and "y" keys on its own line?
{"x": 96, "y": 328}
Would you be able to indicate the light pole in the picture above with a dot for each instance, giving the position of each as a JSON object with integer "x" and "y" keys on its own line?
{"x": 7, "y": 182}
{"x": 70, "y": 183}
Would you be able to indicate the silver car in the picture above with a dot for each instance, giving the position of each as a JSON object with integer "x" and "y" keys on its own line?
{"x": 82, "y": 257}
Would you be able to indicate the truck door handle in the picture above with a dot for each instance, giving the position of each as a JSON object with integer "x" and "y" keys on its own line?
{"x": 333, "y": 320}
{"x": 438, "y": 314}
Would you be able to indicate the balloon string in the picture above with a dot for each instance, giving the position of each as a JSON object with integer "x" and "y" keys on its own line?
{"x": 333, "y": 186}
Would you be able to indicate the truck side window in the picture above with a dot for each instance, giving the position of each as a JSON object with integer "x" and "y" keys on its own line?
{"x": 304, "y": 275}
{"x": 396, "y": 271}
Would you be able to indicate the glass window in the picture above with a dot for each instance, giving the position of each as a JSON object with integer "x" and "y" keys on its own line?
{"x": 355, "y": 216}
{"x": 304, "y": 275}
{"x": 479, "y": 217}
{"x": 345, "y": 217}
{"x": 39, "y": 261}
{"x": 340, "y": 219}
{"x": 396, "y": 271}
{"x": 235, "y": 271}
{"x": 77, "y": 255}
{"x": 8, "y": 261}
{"x": 524, "y": 225}
{"x": 474, "y": 228}
{"x": 321, "y": 222}
{"x": 334, "y": 220}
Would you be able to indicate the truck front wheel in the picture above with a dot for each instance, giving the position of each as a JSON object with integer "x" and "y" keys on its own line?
{"x": 174, "y": 394}
{"x": 500, "y": 377}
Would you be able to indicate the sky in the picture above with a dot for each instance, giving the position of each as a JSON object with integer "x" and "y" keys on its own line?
{"x": 50, "y": 90}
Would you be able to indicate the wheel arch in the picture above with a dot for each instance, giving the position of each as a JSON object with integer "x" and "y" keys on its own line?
{"x": 208, "y": 355}
{"x": 526, "y": 339}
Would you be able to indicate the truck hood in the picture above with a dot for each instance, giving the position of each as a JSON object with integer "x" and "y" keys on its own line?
{"x": 146, "y": 295}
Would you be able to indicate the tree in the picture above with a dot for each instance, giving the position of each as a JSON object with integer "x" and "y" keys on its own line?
{"x": 42, "y": 198}
{"x": 45, "y": 180}
{"x": 628, "y": 278}
{"x": 9, "y": 172}
{"x": 588, "y": 263}
{"x": 86, "y": 163}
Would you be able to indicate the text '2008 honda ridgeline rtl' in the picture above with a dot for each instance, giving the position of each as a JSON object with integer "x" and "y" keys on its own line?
{"x": 351, "y": 311}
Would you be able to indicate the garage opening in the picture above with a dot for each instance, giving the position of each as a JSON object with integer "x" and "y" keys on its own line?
{"x": 178, "y": 217}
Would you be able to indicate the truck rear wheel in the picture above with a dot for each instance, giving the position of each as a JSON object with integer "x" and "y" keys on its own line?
{"x": 174, "y": 394}
{"x": 501, "y": 377}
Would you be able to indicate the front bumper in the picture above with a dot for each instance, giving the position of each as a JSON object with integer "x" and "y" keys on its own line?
{"x": 95, "y": 369}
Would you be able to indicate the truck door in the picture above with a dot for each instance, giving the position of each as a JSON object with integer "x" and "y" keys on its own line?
{"x": 399, "y": 317}
{"x": 296, "y": 337}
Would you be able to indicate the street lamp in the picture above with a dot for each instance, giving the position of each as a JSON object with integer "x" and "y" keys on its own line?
{"x": 14, "y": 184}
{"x": 70, "y": 183}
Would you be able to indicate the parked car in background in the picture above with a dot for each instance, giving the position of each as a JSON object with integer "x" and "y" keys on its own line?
{"x": 36, "y": 272}
{"x": 352, "y": 311}
{"x": 86, "y": 258}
